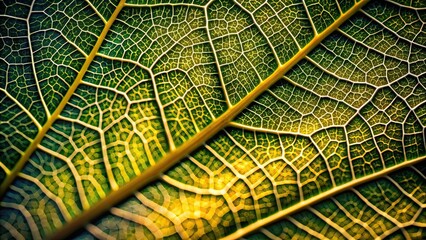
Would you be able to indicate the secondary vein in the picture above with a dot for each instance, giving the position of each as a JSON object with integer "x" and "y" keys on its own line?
{"x": 174, "y": 156}
{"x": 42, "y": 131}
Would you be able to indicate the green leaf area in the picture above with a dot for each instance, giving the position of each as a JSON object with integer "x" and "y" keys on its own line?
{"x": 208, "y": 119}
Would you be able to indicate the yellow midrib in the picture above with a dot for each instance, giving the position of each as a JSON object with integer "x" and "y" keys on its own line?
{"x": 42, "y": 131}
{"x": 192, "y": 144}
{"x": 176, "y": 155}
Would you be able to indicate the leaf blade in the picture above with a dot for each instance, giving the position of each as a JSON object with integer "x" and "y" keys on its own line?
{"x": 126, "y": 175}
{"x": 52, "y": 118}
{"x": 346, "y": 212}
{"x": 317, "y": 199}
{"x": 173, "y": 157}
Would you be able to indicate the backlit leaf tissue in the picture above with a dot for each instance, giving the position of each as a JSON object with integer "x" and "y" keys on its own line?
{"x": 213, "y": 119}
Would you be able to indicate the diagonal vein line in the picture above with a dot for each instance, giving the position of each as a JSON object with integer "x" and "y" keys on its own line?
{"x": 174, "y": 156}
{"x": 42, "y": 132}
{"x": 318, "y": 198}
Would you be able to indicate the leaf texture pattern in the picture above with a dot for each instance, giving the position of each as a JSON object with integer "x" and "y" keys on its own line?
{"x": 389, "y": 208}
{"x": 213, "y": 119}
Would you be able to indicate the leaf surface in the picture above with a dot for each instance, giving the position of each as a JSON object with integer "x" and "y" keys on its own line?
{"x": 210, "y": 118}
{"x": 392, "y": 207}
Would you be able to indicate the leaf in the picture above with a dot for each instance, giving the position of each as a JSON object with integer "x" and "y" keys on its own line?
{"x": 390, "y": 207}
{"x": 211, "y": 119}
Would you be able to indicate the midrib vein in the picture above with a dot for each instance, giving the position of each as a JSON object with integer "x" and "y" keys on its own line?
{"x": 318, "y": 198}
{"x": 43, "y": 130}
{"x": 152, "y": 173}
